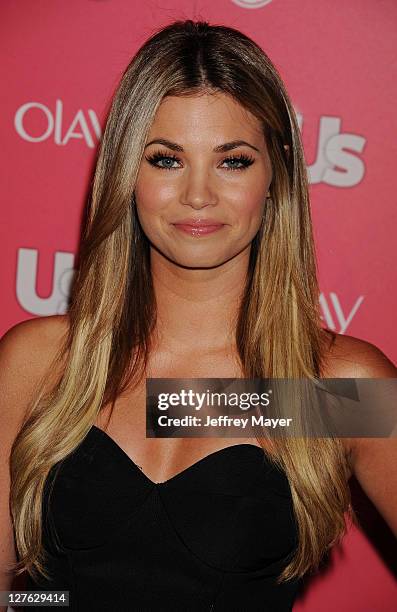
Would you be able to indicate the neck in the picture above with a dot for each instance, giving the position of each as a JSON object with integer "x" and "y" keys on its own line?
{"x": 197, "y": 308}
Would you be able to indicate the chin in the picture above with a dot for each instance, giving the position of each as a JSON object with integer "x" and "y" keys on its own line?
{"x": 199, "y": 262}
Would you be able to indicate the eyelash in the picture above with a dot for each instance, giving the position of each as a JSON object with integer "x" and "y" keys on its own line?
{"x": 158, "y": 156}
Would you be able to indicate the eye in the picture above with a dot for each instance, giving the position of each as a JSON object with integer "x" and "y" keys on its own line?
{"x": 241, "y": 159}
{"x": 155, "y": 158}
{"x": 158, "y": 156}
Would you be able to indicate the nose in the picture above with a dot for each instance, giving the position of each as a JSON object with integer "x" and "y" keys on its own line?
{"x": 198, "y": 189}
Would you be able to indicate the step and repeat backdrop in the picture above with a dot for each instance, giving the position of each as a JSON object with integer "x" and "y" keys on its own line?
{"x": 61, "y": 61}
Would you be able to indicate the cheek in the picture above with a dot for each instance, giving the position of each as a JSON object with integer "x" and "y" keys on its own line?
{"x": 151, "y": 197}
{"x": 152, "y": 204}
{"x": 249, "y": 205}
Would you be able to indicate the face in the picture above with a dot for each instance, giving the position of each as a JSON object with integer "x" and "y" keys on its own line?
{"x": 197, "y": 177}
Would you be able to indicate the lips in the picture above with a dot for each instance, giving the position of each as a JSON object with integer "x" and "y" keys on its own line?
{"x": 198, "y": 229}
{"x": 199, "y": 222}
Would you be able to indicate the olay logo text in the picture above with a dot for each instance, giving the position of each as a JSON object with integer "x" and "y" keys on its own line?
{"x": 84, "y": 125}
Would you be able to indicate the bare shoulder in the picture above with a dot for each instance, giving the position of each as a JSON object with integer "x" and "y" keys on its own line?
{"x": 373, "y": 461}
{"x": 27, "y": 350}
{"x": 350, "y": 357}
{"x": 47, "y": 328}
{"x": 35, "y": 338}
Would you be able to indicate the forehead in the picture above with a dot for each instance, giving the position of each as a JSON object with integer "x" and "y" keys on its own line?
{"x": 212, "y": 117}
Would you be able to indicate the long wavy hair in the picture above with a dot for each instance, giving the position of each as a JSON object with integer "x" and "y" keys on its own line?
{"x": 112, "y": 311}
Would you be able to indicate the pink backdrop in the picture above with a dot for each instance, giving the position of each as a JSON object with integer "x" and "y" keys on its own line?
{"x": 60, "y": 64}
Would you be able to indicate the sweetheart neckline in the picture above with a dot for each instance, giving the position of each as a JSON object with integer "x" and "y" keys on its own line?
{"x": 180, "y": 474}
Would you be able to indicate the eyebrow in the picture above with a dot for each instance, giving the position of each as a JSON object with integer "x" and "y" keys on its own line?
{"x": 223, "y": 148}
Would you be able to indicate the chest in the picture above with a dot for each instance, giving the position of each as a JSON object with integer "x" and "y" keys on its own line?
{"x": 163, "y": 458}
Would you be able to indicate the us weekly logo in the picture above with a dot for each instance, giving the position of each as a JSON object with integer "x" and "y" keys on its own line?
{"x": 336, "y": 311}
{"x": 337, "y": 160}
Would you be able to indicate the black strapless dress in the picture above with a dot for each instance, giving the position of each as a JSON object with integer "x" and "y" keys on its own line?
{"x": 212, "y": 538}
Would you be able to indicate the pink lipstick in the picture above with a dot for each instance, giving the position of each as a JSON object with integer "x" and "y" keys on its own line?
{"x": 198, "y": 227}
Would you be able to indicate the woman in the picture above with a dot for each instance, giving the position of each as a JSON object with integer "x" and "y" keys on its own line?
{"x": 201, "y": 131}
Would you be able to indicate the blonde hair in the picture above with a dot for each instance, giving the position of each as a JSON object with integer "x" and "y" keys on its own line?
{"x": 113, "y": 311}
